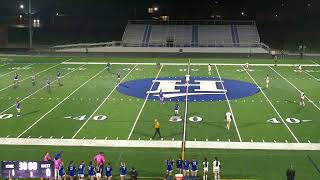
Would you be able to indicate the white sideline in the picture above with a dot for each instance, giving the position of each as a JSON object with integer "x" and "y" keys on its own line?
{"x": 274, "y": 108}
{"x": 184, "y": 64}
{"x": 37, "y": 91}
{"x": 102, "y": 103}
{"x": 225, "y": 94}
{"x": 59, "y": 103}
{"x": 295, "y": 87}
{"x": 144, "y": 103}
{"x": 30, "y": 77}
{"x": 311, "y": 76}
{"x": 161, "y": 144}
{"x": 15, "y": 70}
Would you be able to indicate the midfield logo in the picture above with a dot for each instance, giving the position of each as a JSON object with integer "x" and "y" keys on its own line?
{"x": 172, "y": 88}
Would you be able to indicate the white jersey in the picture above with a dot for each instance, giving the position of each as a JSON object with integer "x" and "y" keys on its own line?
{"x": 228, "y": 116}
{"x": 209, "y": 68}
{"x": 302, "y": 95}
{"x": 205, "y": 166}
{"x": 216, "y": 166}
{"x": 267, "y": 79}
{"x": 247, "y": 65}
{"x": 187, "y": 78}
{"x": 300, "y": 67}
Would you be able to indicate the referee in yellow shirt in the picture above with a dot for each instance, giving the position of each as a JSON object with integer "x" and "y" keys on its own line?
{"x": 156, "y": 128}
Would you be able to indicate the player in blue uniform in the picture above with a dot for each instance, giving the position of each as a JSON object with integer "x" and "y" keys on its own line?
{"x": 91, "y": 171}
{"x": 194, "y": 169}
{"x": 123, "y": 171}
{"x": 176, "y": 109}
{"x": 186, "y": 166}
{"x": 59, "y": 78}
{"x": 15, "y": 79}
{"x": 99, "y": 171}
{"x": 18, "y": 107}
{"x": 161, "y": 97}
{"x": 169, "y": 164}
{"x": 72, "y": 170}
{"x": 81, "y": 170}
{"x": 179, "y": 163}
{"x": 108, "y": 172}
{"x": 61, "y": 172}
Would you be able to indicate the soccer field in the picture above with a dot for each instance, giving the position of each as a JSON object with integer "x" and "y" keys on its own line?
{"x": 89, "y": 105}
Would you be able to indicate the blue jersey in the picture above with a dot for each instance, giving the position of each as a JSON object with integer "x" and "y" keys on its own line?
{"x": 81, "y": 169}
{"x": 176, "y": 107}
{"x": 186, "y": 165}
{"x": 61, "y": 170}
{"x": 161, "y": 94}
{"x": 169, "y": 165}
{"x": 18, "y": 105}
{"x": 91, "y": 171}
{"x": 179, "y": 163}
{"x": 194, "y": 165}
{"x": 123, "y": 170}
{"x": 72, "y": 170}
{"x": 108, "y": 171}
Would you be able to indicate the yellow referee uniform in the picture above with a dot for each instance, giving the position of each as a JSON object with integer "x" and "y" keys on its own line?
{"x": 157, "y": 128}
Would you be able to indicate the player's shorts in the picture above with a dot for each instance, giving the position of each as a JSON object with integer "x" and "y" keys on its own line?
{"x": 61, "y": 176}
{"x": 122, "y": 175}
{"x": 58, "y": 77}
{"x": 98, "y": 174}
{"x": 302, "y": 98}
{"x": 228, "y": 119}
{"x": 267, "y": 81}
{"x": 216, "y": 170}
{"x": 186, "y": 170}
{"x": 205, "y": 169}
{"x": 91, "y": 176}
{"x": 18, "y": 109}
{"x": 81, "y": 175}
{"x": 176, "y": 111}
{"x": 15, "y": 79}
{"x": 108, "y": 176}
{"x": 194, "y": 171}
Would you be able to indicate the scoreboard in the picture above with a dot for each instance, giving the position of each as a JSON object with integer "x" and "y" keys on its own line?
{"x": 27, "y": 169}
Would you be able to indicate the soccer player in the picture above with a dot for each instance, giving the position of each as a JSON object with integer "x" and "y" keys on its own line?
{"x": 216, "y": 169}
{"x": 247, "y": 66}
{"x": 194, "y": 169}
{"x": 186, "y": 165}
{"x": 161, "y": 97}
{"x": 72, "y": 170}
{"x": 118, "y": 78}
{"x": 59, "y": 78}
{"x": 108, "y": 172}
{"x": 228, "y": 119}
{"x": 176, "y": 109}
{"x": 205, "y": 165}
{"x": 16, "y": 79}
{"x": 47, "y": 157}
{"x": 57, "y": 161}
{"x": 267, "y": 81}
{"x": 61, "y": 172}
{"x": 18, "y": 107}
{"x": 300, "y": 68}
{"x": 158, "y": 65}
{"x": 187, "y": 78}
{"x": 91, "y": 171}
{"x": 169, "y": 164}
{"x": 179, "y": 163}
{"x": 81, "y": 170}
{"x": 108, "y": 66}
{"x": 48, "y": 83}
{"x": 302, "y": 96}
{"x": 99, "y": 171}
{"x": 156, "y": 128}
{"x": 209, "y": 69}
{"x": 123, "y": 171}
{"x": 33, "y": 78}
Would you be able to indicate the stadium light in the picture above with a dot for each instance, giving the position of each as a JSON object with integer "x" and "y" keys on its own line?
{"x": 20, "y": 16}
{"x": 57, "y": 14}
{"x": 155, "y": 8}
{"x": 21, "y": 6}
{"x": 242, "y": 13}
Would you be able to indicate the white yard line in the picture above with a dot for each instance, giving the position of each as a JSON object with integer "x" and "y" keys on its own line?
{"x": 274, "y": 108}
{"x": 311, "y": 75}
{"x": 159, "y": 144}
{"x": 60, "y": 102}
{"x": 234, "y": 119}
{"x": 38, "y": 90}
{"x": 144, "y": 103}
{"x": 314, "y": 62}
{"x": 115, "y": 87}
{"x": 199, "y": 64}
{"x": 295, "y": 88}
{"x": 15, "y": 70}
{"x": 29, "y": 77}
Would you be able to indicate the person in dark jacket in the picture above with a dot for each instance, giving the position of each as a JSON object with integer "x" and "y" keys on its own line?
{"x": 291, "y": 173}
{"x": 133, "y": 174}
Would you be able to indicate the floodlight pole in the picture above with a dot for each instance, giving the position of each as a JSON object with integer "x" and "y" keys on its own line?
{"x": 30, "y": 25}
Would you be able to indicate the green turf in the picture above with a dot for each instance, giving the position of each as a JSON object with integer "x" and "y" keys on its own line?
{"x": 64, "y": 111}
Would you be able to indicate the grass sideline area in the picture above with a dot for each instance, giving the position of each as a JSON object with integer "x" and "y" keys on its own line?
{"x": 90, "y": 106}
{"x": 236, "y": 164}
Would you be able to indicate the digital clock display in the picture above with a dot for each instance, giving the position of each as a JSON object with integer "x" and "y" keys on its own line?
{"x": 27, "y": 169}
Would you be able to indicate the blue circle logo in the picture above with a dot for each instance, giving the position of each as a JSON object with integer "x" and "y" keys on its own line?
{"x": 199, "y": 89}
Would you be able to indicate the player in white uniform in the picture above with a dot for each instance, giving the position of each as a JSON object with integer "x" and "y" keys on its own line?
{"x": 302, "y": 96}
{"x": 267, "y": 81}
{"x": 187, "y": 78}
{"x": 228, "y": 119}
{"x": 300, "y": 68}
{"x": 205, "y": 165}
{"x": 209, "y": 69}
{"x": 216, "y": 169}
{"x": 247, "y": 66}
